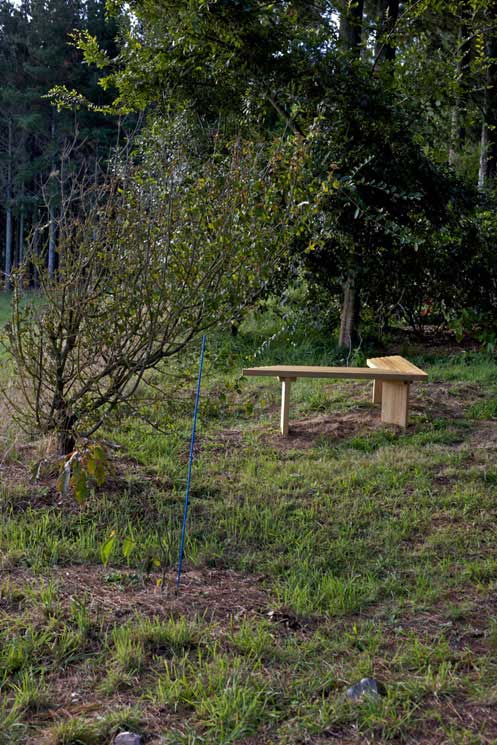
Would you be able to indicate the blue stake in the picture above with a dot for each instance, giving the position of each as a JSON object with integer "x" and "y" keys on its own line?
{"x": 190, "y": 461}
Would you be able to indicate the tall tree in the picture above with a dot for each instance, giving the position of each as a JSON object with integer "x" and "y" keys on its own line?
{"x": 488, "y": 152}
{"x": 385, "y": 46}
{"x": 8, "y": 201}
{"x": 37, "y": 53}
{"x": 351, "y": 25}
{"x": 288, "y": 67}
{"x": 351, "y": 19}
{"x": 13, "y": 22}
{"x": 459, "y": 111}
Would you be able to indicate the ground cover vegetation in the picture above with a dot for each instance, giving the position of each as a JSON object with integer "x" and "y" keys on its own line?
{"x": 349, "y": 550}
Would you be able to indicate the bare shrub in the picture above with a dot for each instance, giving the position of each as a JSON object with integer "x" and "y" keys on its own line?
{"x": 147, "y": 259}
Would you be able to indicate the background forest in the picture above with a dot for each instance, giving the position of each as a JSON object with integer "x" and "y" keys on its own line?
{"x": 36, "y": 54}
{"x": 394, "y": 101}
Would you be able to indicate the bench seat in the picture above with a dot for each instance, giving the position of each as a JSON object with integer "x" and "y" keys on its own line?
{"x": 308, "y": 371}
{"x": 391, "y": 376}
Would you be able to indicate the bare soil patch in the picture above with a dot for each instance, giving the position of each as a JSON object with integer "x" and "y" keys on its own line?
{"x": 483, "y": 436}
{"x": 226, "y": 441}
{"x": 308, "y": 432}
{"x": 214, "y": 593}
{"x": 431, "y": 400}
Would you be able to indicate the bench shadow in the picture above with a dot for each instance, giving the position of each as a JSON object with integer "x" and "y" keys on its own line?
{"x": 330, "y": 428}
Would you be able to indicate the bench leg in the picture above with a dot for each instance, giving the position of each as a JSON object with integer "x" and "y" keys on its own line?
{"x": 376, "y": 391}
{"x": 395, "y": 403}
{"x": 286, "y": 384}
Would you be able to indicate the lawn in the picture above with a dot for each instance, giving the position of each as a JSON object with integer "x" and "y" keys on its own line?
{"x": 349, "y": 550}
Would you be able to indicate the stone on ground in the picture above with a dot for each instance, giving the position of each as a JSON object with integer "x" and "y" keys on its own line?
{"x": 128, "y": 738}
{"x": 366, "y": 687}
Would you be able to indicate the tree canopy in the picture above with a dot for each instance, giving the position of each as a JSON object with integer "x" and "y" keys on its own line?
{"x": 394, "y": 100}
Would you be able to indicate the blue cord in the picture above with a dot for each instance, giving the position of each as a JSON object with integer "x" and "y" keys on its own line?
{"x": 190, "y": 461}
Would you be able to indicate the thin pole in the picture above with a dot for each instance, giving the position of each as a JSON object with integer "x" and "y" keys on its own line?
{"x": 190, "y": 461}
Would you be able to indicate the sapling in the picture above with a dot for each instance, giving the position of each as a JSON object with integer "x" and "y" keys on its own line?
{"x": 148, "y": 257}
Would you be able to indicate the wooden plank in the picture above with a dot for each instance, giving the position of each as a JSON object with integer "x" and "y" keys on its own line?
{"x": 395, "y": 403}
{"x": 309, "y": 371}
{"x": 396, "y": 363}
{"x": 286, "y": 384}
{"x": 377, "y": 386}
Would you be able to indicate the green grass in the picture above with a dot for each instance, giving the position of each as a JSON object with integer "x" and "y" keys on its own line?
{"x": 354, "y": 550}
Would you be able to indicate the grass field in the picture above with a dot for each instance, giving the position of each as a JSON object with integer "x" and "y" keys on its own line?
{"x": 349, "y": 550}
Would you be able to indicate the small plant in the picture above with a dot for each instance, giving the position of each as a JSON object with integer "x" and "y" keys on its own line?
{"x": 20, "y": 651}
{"x": 481, "y": 326}
{"x": 30, "y": 694}
{"x": 255, "y": 641}
{"x": 79, "y": 615}
{"x": 128, "y": 545}
{"x": 115, "y": 680}
{"x": 47, "y": 598}
{"x": 69, "y": 645}
{"x": 80, "y": 731}
{"x": 169, "y": 637}
{"x": 76, "y": 731}
{"x": 12, "y": 593}
{"x": 12, "y": 730}
{"x": 129, "y": 652}
{"x": 83, "y": 468}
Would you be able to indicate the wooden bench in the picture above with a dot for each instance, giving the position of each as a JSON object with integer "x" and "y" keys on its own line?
{"x": 391, "y": 376}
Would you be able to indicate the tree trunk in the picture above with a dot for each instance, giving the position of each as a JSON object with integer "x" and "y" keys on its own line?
{"x": 64, "y": 420}
{"x": 8, "y": 245}
{"x": 36, "y": 251}
{"x": 351, "y": 19}
{"x": 66, "y": 442}
{"x": 51, "y": 209}
{"x": 488, "y": 147}
{"x": 458, "y": 124}
{"x": 21, "y": 238}
{"x": 51, "y": 241}
{"x": 388, "y": 13}
{"x": 454, "y": 136}
{"x": 8, "y": 216}
{"x": 351, "y": 25}
{"x": 348, "y": 315}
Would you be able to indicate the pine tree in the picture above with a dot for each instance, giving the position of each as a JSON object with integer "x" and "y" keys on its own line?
{"x": 488, "y": 152}
{"x": 13, "y": 40}
{"x": 36, "y": 53}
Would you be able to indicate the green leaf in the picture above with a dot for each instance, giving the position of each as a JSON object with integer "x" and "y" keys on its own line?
{"x": 96, "y": 464}
{"x": 107, "y": 547}
{"x": 128, "y": 547}
{"x": 79, "y": 482}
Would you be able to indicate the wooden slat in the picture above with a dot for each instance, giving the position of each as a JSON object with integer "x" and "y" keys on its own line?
{"x": 309, "y": 371}
{"x": 396, "y": 363}
{"x": 286, "y": 385}
{"x": 377, "y": 391}
{"x": 395, "y": 403}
